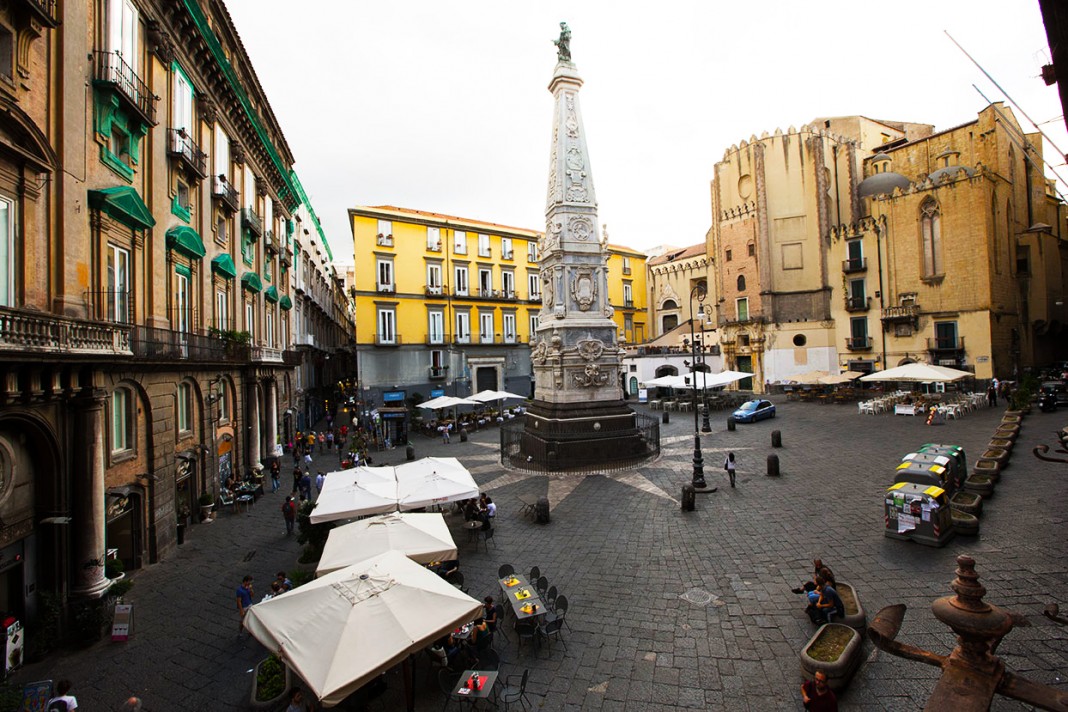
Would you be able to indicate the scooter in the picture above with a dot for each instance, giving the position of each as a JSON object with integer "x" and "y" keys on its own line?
{"x": 1047, "y": 402}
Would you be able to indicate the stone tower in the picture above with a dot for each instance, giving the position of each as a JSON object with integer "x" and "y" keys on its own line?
{"x": 578, "y": 414}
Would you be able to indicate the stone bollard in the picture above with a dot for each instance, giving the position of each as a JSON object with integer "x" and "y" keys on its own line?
{"x": 541, "y": 510}
{"x": 463, "y": 435}
{"x": 731, "y": 423}
{"x": 409, "y": 452}
{"x": 776, "y": 438}
{"x": 773, "y": 465}
{"x": 689, "y": 498}
{"x": 665, "y": 418}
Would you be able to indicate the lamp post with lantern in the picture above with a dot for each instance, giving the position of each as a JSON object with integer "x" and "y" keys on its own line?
{"x": 699, "y": 293}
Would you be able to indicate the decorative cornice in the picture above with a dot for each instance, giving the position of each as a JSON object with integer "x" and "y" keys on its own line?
{"x": 161, "y": 41}
{"x": 209, "y": 112}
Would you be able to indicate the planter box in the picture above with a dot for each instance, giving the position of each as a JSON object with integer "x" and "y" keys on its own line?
{"x": 1000, "y": 455}
{"x": 1016, "y": 415}
{"x": 855, "y": 617}
{"x": 838, "y": 671}
{"x": 1010, "y": 432}
{"x": 967, "y": 502}
{"x": 965, "y": 524}
{"x": 987, "y": 468}
{"x": 981, "y": 485}
{"x": 1003, "y": 443}
{"x": 275, "y": 702}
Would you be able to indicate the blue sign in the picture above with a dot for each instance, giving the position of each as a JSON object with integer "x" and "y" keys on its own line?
{"x": 393, "y": 397}
{"x": 437, "y": 392}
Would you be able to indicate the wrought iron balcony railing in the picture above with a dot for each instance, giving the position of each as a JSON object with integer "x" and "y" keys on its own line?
{"x": 854, "y": 264}
{"x": 251, "y": 219}
{"x": 225, "y": 193}
{"x": 433, "y": 339}
{"x": 942, "y": 345}
{"x": 388, "y": 340}
{"x": 113, "y": 71}
{"x": 858, "y": 343}
{"x": 182, "y": 146}
{"x": 435, "y": 290}
{"x": 858, "y": 304}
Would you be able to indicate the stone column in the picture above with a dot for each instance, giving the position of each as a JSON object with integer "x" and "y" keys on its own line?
{"x": 87, "y": 496}
{"x": 272, "y": 415}
{"x": 253, "y": 426}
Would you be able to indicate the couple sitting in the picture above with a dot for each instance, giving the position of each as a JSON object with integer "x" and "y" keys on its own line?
{"x": 824, "y": 603}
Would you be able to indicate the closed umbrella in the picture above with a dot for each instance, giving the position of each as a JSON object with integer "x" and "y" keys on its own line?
{"x": 423, "y": 538}
{"x": 341, "y": 630}
{"x": 918, "y": 373}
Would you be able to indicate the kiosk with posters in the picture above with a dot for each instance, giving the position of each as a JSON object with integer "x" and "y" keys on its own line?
{"x": 918, "y": 512}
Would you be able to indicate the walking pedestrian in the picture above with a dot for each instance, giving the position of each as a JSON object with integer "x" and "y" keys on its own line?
{"x": 307, "y": 459}
{"x": 244, "y": 600}
{"x": 311, "y": 443}
{"x": 991, "y": 396}
{"x": 729, "y": 465}
{"x": 275, "y": 473}
{"x": 319, "y": 480}
{"x": 330, "y": 440}
{"x": 296, "y": 479}
{"x": 62, "y": 702}
{"x": 445, "y": 434}
{"x": 305, "y": 486}
{"x": 132, "y": 704}
{"x": 289, "y": 513}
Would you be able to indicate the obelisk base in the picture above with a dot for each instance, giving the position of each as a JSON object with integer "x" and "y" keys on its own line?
{"x": 579, "y": 436}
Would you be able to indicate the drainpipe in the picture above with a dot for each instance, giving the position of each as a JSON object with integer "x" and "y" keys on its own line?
{"x": 882, "y": 294}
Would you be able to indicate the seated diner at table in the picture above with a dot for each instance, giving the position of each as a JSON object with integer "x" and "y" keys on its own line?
{"x": 446, "y": 569}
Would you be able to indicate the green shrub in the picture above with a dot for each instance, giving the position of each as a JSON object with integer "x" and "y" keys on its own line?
{"x": 120, "y": 588}
{"x": 271, "y": 680}
{"x": 313, "y": 536}
{"x": 301, "y": 577}
{"x": 113, "y": 567}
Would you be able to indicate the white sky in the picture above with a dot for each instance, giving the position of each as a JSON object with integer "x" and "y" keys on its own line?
{"x": 443, "y": 106}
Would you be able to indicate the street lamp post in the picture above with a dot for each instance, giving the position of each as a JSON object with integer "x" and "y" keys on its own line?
{"x": 699, "y": 292}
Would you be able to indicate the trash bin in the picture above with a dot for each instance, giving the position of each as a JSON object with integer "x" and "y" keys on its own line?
{"x": 665, "y": 418}
{"x": 948, "y": 477}
{"x": 181, "y": 534}
{"x": 918, "y": 512}
{"x": 954, "y": 451}
{"x": 731, "y": 423}
{"x": 689, "y": 498}
{"x": 463, "y": 435}
{"x": 541, "y": 510}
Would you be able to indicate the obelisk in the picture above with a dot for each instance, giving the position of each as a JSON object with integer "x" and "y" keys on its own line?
{"x": 578, "y": 413}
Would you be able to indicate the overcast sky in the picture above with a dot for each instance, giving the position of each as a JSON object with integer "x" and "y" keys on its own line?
{"x": 443, "y": 106}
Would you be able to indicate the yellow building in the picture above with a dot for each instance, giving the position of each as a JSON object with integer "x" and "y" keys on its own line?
{"x": 627, "y": 292}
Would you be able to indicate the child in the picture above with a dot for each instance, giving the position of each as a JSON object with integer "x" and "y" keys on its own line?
{"x": 729, "y": 465}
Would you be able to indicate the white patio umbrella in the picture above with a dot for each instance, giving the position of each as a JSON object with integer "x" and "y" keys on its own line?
{"x": 844, "y": 377}
{"x": 918, "y": 373}
{"x": 725, "y": 377}
{"x": 423, "y": 538}
{"x": 341, "y": 630}
{"x": 808, "y": 377}
{"x": 485, "y": 396}
{"x": 661, "y": 382}
{"x": 446, "y": 402}
{"x": 433, "y": 480}
{"x": 356, "y": 492}
{"x": 505, "y": 395}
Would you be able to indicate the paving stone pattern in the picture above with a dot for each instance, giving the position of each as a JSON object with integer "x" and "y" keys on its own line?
{"x": 669, "y": 610}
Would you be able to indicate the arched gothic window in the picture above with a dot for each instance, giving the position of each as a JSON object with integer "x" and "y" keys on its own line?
{"x": 741, "y": 283}
{"x": 931, "y": 229}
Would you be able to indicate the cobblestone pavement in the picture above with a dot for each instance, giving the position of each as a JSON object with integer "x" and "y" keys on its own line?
{"x": 625, "y": 555}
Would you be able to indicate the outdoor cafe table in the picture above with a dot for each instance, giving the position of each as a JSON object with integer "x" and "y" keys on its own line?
{"x": 486, "y": 678}
{"x": 472, "y": 528}
{"x": 517, "y": 603}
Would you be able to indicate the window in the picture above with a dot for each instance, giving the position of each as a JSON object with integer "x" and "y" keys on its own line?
{"x": 437, "y": 363}
{"x": 433, "y": 239}
{"x": 181, "y": 302}
{"x": 385, "y": 276}
{"x": 122, "y": 31}
{"x": 224, "y": 403}
{"x": 533, "y": 285}
{"x": 184, "y": 408}
{"x": 385, "y": 233}
{"x": 118, "y": 294}
{"x": 800, "y": 340}
{"x": 485, "y": 282}
{"x": 387, "y": 326}
{"x": 459, "y": 282}
{"x": 222, "y": 153}
{"x": 7, "y": 254}
{"x": 854, "y": 254}
{"x": 742, "y": 307}
{"x": 250, "y": 318}
{"x": 946, "y": 335}
{"x": 1023, "y": 260}
{"x": 670, "y": 304}
{"x": 741, "y": 283}
{"x": 222, "y": 230}
{"x": 7, "y": 53}
{"x": 485, "y": 327}
{"x": 483, "y": 245}
{"x": 463, "y": 327}
{"x": 931, "y": 227}
{"x": 858, "y": 332}
{"x": 532, "y": 251}
{"x": 182, "y": 102}
{"x": 626, "y": 265}
{"x": 436, "y": 330}
{"x": 248, "y": 186}
{"x": 506, "y": 248}
{"x": 222, "y": 310}
{"x": 433, "y": 278}
{"x": 268, "y": 269}
{"x": 533, "y": 326}
{"x": 670, "y": 321}
{"x": 121, "y": 422}
{"x": 750, "y": 249}
{"x": 628, "y": 295}
{"x": 268, "y": 326}
{"x": 509, "y": 328}
{"x": 248, "y": 249}
{"x": 628, "y": 327}
{"x": 508, "y": 284}
{"x": 459, "y": 242}
{"x": 728, "y": 256}
{"x": 858, "y": 299}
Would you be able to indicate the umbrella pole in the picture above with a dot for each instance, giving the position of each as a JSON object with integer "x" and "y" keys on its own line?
{"x": 408, "y": 673}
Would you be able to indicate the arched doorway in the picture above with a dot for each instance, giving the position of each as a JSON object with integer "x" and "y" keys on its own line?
{"x": 666, "y": 370}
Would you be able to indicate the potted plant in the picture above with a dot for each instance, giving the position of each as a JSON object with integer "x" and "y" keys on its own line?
{"x": 1003, "y": 443}
{"x": 114, "y": 569}
{"x": 1001, "y": 455}
{"x": 835, "y": 649}
{"x": 271, "y": 684}
{"x": 207, "y": 503}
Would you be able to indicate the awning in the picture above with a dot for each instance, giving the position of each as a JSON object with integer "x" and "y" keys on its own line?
{"x": 223, "y": 265}
{"x": 251, "y": 281}
{"x": 124, "y": 204}
{"x": 271, "y": 294}
{"x": 186, "y": 240}
{"x": 286, "y": 302}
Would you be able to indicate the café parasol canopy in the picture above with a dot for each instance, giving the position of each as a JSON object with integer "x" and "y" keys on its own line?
{"x": 844, "y": 377}
{"x": 433, "y": 480}
{"x": 422, "y": 537}
{"x": 341, "y": 630}
{"x": 918, "y": 373}
{"x": 356, "y": 492}
{"x": 446, "y": 402}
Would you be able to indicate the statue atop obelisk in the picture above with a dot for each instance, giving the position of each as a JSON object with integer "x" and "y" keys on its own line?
{"x": 575, "y": 355}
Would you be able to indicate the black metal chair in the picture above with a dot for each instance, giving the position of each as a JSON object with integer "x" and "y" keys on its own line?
{"x": 542, "y": 585}
{"x": 488, "y": 659}
{"x": 505, "y": 570}
{"x": 447, "y": 680}
{"x": 486, "y": 536}
{"x": 559, "y": 611}
{"x": 526, "y": 630}
{"x": 535, "y": 574}
{"x": 515, "y": 693}
{"x": 550, "y": 598}
{"x": 552, "y": 629}
{"x": 456, "y": 578}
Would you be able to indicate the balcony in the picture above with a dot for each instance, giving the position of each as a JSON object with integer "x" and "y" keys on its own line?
{"x": 511, "y": 339}
{"x": 461, "y": 339}
{"x": 384, "y": 240}
{"x": 180, "y": 145}
{"x": 857, "y": 304}
{"x": 750, "y": 318}
{"x": 252, "y": 220}
{"x": 485, "y": 294}
{"x": 33, "y": 332}
{"x": 858, "y": 343}
{"x": 292, "y": 357}
{"x": 435, "y": 290}
{"x": 507, "y": 255}
{"x": 509, "y": 295}
{"x": 433, "y": 339}
{"x": 855, "y": 264}
{"x": 265, "y": 354}
{"x": 306, "y": 340}
{"x": 388, "y": 340}
{"x": 438, "y": 372}
{"x": 112, "y": 71}
{"x": 904, "y": 312}
{"x": 285, "y": 258}
{"x": 270, "y": 243}
{"x": 534, "y": 298}
{"x": 946, "y": 348}
{"x": 44, "y": 11}
{"x": 386, "y": 288}
{"x": 628, "y": 303}
{"x": 626, "y": 270}
{"x": 167, "y": 345}
{"x": 225, "y": 193}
